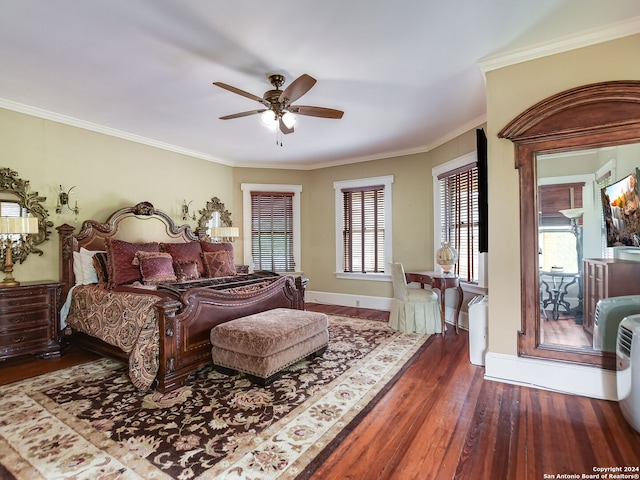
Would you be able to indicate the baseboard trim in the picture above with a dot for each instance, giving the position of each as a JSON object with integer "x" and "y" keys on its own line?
{"x": 377, "y": 303}
{"x": 560, "y": 377}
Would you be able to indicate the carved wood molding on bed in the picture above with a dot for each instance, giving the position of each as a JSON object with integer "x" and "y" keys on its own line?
{"x": 181, "y": 318}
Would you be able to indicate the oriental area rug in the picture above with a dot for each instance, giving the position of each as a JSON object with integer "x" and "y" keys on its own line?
{"x": 90, "y": 422}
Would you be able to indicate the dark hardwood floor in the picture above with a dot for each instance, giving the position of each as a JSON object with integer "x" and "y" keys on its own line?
{"x": 442, "y": 420}
{"x": 564, "y": 331}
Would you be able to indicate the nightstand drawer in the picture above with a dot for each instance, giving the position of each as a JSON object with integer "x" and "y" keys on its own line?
{"x": 29, "y": 320}
{"x": 25, "y": 319}
{"x": 10, "y": 303}
{"x": 22, "y": 339}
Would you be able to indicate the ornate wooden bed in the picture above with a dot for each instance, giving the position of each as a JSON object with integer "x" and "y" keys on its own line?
{"x": 184, "y": 320}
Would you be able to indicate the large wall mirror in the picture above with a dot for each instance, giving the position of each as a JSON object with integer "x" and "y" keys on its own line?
{"x": 566, "y": 148}
{"x": 17, "y": 199}
{"x": 213, "y": 215}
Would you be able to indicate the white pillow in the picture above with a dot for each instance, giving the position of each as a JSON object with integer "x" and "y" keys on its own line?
{"x": 77, "y": 268}
{"x": 87, "y": 274}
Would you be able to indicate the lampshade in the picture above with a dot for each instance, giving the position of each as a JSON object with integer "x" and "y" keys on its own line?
{"x": 225, "y": 232}
{"x": 18, "y": 225}
{"x": 30, "y": 225}
{"x": 289, "y": 119}
{"x": 573, "y": 212}
{"x": 268, "y": 117}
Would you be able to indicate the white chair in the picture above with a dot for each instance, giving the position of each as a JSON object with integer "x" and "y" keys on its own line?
{"x": 413, "y": 310}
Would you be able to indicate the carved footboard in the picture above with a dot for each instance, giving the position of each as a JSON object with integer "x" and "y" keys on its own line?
{"x": 185, "y": 327}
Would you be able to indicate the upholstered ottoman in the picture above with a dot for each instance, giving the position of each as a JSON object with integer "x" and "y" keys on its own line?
{"x": 263, "y": 344}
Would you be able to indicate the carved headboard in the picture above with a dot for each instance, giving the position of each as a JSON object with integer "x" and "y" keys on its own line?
{"x": 140, "y": 223}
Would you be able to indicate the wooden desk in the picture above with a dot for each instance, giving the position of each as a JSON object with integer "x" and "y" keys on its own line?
{"x": 441, "y": 282}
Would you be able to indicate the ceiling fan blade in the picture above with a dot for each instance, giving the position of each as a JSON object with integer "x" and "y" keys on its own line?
{"x": 238, "y": 91}
{"x": 298, "y": 87}
{"x": 316, "y": 111}
{"x": 284, "y": 129}
{"x": 242, "y": 114}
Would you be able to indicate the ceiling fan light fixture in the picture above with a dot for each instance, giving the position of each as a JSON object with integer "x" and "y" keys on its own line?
{"x": 289, "y": 119}
{"x": 268, "y": 117}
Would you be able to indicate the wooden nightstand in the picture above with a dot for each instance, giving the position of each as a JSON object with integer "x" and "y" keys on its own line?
{"x": 29, "y": 320}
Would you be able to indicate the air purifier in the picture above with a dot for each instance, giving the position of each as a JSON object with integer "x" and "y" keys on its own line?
{"x": 628, "y": 369}
{"x": 608, "y": 315}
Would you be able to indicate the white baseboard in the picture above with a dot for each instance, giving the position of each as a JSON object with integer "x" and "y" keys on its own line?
{"x": 559, "y": 377}
{"x": 348, "y": 300}
{"x": 377, "y": 303}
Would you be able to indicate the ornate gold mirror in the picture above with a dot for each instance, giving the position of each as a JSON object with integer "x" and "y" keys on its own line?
{"x": 212, "y": 216}
{"x": 16, "y": 199}
{"x": 588, "y": 117}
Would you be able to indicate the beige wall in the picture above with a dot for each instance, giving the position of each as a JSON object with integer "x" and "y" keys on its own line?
{"x": 412, "y": 215}
{"x": 510, "y": 91}
{"x": 108, "y": 172}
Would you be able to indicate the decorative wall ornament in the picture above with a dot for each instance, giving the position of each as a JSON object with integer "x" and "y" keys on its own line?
{"x": 15, "y": 190}
{"x": 214, "y": 207}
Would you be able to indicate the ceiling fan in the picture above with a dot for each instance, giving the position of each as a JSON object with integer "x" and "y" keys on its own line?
{"x": 279, "y": 109}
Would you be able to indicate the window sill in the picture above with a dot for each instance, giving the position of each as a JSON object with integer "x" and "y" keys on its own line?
{"x": 375, "y": 277}
{"x": 474, "y": 288}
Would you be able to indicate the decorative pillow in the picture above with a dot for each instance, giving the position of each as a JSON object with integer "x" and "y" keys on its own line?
{"x": 185, "y": 252}
{"x": 101, "y": 266}
{"x": 218, "y": 264}
{"x": 218, "y": 247}
{"x": 156, "y": 267}
{"x": 121, "y": 255}
{"x": 186, "y": 271}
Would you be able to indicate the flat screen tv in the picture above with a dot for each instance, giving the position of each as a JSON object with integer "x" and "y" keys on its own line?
{"x": 622, "y": 212}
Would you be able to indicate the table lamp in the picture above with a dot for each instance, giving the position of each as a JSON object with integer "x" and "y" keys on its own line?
{"x": 10, "y": 227}
{"x": 224, "y": 233}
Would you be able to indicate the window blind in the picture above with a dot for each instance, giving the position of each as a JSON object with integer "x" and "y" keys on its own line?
{"x": 363, "y": 234}
{"x": 459, "y": 217}
{"x": 272, "y": 231}
{"x": 556, "y": 197}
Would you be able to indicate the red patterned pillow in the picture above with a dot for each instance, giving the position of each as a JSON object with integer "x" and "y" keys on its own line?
{"x": 121, "y": 255}
{"x": 219, "y": 247}
{"x": 185, "y": 252}
{"x": 101, "y": 264}
{"x": 156, "y": 267}
{"x": 219, "y": 264}
{"x": 186, "y": 271}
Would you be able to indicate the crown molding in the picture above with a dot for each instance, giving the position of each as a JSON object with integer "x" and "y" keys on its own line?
{"x": 475, "y": 123}
{"x": 94, "y": 127}
{"x": 561, "y": 44}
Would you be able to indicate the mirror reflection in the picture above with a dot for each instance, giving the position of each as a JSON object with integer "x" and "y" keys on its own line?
{"x": 580, "y": 260}
{"x": 214, "y": 215}
{"x": 18, "y": 200}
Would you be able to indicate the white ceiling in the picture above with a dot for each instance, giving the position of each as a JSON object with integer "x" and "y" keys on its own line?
{"x": 405, "y": 72}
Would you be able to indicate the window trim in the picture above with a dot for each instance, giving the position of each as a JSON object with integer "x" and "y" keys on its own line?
{"x": 387, "y": 181}
{"x": 451, "y": 165}
{"x": 247, "y": 188}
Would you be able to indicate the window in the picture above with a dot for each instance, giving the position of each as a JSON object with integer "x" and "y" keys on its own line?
{"x": 272, "y": 216}
{"x": 556, "y": 237}
{"x": 457, "y": 221}
{"x": 363, "y": 226}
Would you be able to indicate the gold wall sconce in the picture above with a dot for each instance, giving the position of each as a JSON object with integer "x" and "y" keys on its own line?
{"x": 13, "y": 232}
{"x": 185, "y": 212}
{"x": 63, "y": 202}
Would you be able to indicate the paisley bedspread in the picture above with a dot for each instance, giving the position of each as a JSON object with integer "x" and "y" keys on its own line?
{"x": 125, "y": 320}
